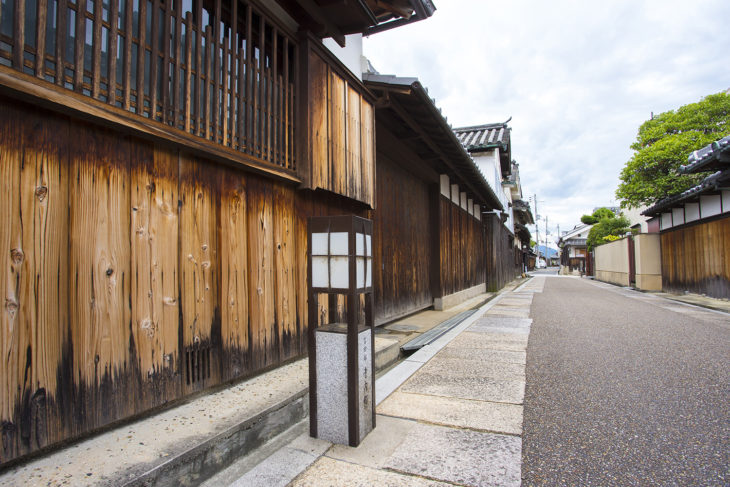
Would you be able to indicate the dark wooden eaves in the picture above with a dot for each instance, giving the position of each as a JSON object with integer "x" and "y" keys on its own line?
{"x": 426, "y": 131}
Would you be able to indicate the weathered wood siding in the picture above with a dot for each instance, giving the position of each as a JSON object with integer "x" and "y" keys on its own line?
{"x": 462, "y": 248}
{"x": 696, "y": 258}
{"x": 342, "y": 158}
{"x": 402, "y": 242}
{"x": 135, "y": 273}
{"x": 500, "y": 261}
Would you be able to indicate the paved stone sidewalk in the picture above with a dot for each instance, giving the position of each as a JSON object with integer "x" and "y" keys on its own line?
{"x": 456, "y": 420}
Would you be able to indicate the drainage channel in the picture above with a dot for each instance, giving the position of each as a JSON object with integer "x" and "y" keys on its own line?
{"x": 436, "y": 332}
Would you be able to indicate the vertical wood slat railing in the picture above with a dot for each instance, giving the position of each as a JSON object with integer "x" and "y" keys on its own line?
{"x": 219, "y": 72}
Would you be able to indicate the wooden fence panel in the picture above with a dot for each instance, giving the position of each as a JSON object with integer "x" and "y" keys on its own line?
{"x": 285, "y": 270}
{"x": 342, "y": 135}
{"x": 44, "y": 302}
{"x": 199, "y": 271}
{"x": 99, "y": 262}
{"x": 10, "y": 241}
{"x": 155, "y": 300}
{"x": 263, "y": 345}
{"x": 320, "y": 122}
{"x": 234, "y": 276}
{"x": 401, "y": 242}
{"x": 696, "y": 258}
{"x": 34, "y": 317}
{"x": 354, "y": 139}
{"x": 367, "y": 151}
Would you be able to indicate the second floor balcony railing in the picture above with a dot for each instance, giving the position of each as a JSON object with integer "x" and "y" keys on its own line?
{"x": 216, "y": 69}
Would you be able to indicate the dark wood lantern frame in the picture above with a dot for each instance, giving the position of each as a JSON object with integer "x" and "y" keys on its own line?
{"x": 353, "y": 225}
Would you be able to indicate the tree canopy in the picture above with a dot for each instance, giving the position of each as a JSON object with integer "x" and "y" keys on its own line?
{"x": 608, "y": 229}
{"x": 663, "y": 144}
{"x": 596, "y": 216}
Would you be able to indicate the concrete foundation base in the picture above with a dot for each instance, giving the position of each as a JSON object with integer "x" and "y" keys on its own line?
{"x": 445, "y": 302}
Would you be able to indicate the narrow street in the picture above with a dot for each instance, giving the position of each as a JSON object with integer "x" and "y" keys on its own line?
{"x": 624, "y": 388}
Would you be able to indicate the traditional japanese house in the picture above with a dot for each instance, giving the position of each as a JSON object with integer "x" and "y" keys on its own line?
{"x": 521, "y": 217}
{"x": 574, "y": 255}
{"x": 432, "y": 244}
{"x": 490, "y": 147}
{"x": 694, "y": 226}
{"x": 159, "y": 160}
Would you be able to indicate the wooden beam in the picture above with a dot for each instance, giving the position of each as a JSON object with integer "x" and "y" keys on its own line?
{"x": 315, "y": 12}
{"x": 25, "y": 87}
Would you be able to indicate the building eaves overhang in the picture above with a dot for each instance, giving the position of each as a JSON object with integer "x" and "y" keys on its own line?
{"x": 712, "y": 157}
{"x": 338, "y": 18}
{"x": 395, "y": 16}
{"x": 523, "y": 232}
{"x": 710, "y": 185}
{"x": 430, "y": 132}
{"x": 522, "y": 211}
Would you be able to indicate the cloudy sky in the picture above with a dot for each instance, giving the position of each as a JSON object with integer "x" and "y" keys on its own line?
{"x": 577, "y": 78}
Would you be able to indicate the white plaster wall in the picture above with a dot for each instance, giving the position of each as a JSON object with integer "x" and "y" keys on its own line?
{"x": 677, "y": 216}
{"x": 666, "y": 221}
{"x": 488, "y": 164}
{"x": 710, "y": 205}
{"x": 350, "y": 55}
{"x": 510, "y": 223}
{"x": 692, "y": 211}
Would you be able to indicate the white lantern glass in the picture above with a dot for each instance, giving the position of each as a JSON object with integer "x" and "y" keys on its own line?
{"x": 368, "y": 244}
{"x": 369, "y": 272}
{"x": 319, "y": 243}
{"x": 320, "y": 271}
{"x": 339, "y": 272}
{"x": 359, "y": 244}
{"x": 360, "y": 266}
{"x": 339, "y": 243}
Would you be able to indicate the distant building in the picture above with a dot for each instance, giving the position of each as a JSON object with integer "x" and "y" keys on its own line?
{"x": 574, "y": 256}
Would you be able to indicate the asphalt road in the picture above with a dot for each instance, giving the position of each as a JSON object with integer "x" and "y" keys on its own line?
{"x": 624, "y": 388}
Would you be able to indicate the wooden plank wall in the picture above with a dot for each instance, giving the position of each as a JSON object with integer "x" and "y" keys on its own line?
{"x": 402, "y": 243}
{"x": 462, "y": 248}
{"x": 500, "y": 261}
{"x": 696, "y": 258}
{"x": 134, "y": 274}
{"x": 342, "y": 158}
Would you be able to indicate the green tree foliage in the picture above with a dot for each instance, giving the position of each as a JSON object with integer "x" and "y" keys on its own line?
{"x": 664, "y": 143}
{"x": 607, "y": 229}
{"x": 596, "y": 216}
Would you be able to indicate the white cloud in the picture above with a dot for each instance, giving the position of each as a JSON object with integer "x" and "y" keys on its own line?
{"x": 578, "y": 78}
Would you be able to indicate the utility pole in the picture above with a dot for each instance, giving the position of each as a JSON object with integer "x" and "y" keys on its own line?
{"x": 546, "y": 241}
{"x": 537, "y": 231}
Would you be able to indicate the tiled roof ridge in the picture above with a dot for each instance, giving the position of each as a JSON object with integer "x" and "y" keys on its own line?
{"x": 700, "y": 161}
{"x": 709, "y": 183}
{"x": 480, "y": 127}
{"x": 697, "y": 160}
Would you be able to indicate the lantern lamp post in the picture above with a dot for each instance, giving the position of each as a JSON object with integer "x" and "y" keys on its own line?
{"x": 341, "y": 376}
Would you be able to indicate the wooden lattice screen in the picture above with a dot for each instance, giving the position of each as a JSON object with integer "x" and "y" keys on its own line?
{"x": 217, "y": 70}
